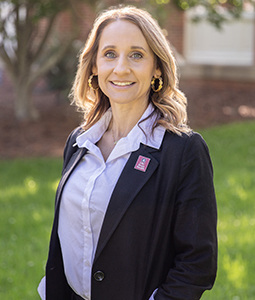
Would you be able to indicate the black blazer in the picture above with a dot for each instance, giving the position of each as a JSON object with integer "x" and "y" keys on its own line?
{"x": 159, "y": 230}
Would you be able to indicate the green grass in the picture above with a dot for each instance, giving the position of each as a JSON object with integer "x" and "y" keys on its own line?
{"x": 232, "y": 150}
{"x": 27, "y": 189}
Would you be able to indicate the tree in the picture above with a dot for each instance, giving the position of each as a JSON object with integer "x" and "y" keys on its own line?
{"x": 216, "y": 9}
{"x": 27, "y": 36}
{"x": 26, "y": 39}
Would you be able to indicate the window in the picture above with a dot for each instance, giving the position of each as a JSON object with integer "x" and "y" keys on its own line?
{"x": 233, "y": 45}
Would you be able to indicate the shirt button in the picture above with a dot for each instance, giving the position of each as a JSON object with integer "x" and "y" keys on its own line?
{"x": 99, "y": 276}
{"x": 87, "y": 263}
{"x": 87, "y": 229}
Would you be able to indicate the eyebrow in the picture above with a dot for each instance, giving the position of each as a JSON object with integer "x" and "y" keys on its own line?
{"x": 132, "y": 47}
{"x": 108, "y": 46}
{"x": 138, "y": 47}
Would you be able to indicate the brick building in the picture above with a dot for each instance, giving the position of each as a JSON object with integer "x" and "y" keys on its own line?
{"x": 202, "y": 50}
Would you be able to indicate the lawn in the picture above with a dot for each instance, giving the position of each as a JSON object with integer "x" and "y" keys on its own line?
{"x": 26, "y": 198}
{"x": 232, "y": 149}
{"x": 27, "y": 189}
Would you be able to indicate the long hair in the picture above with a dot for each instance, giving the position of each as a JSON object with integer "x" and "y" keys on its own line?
{"x": 170, "y": 103}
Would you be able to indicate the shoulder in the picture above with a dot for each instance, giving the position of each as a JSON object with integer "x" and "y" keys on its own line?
{"x": 187, "y": 154}
{"x": 70, "y": 146}
{"x": 184, "y": 148}
{"x": 192, "y": 139}
{"x": 73, "y": 135}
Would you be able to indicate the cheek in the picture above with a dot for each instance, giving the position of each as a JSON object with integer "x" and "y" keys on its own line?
{"x": 101, "y": 76}
{"x": 103, "y": 71}
{"x": 149, "y": 71}
{"x": 148, "y": 75}
{"x": 101, "y": 83}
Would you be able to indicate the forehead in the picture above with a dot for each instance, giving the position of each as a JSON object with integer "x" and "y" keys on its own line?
{"x": 122, "y": 33}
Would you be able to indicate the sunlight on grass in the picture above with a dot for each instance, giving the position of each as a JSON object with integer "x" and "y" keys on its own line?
{"x": 54, "y": 185}
{"x": 232, "y": 149}
{"x": 27, "y": 203}
{"x": 235, "y": 270}
{"x": 30, "y": 185}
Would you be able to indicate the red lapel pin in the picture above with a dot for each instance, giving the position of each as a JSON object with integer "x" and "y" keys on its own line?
{"x": 142, "y": 163}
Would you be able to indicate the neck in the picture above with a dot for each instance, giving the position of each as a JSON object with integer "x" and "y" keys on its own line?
{"x": 123, "y": 120}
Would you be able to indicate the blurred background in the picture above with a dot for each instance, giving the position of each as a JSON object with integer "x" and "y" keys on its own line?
{"x": 214, "y": 45}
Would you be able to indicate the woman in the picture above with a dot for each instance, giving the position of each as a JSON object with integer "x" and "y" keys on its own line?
{"x": 135, "y": 215}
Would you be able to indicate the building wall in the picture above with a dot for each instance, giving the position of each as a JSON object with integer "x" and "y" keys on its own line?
{"x": 84, "y": 19}
{"x": 220, "y": 54}
{"x": 175, "y": 28}
{"x": 233, "y": 45}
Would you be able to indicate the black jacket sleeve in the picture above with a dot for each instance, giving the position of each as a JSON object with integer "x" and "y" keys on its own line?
{"x": 195, "y": 221}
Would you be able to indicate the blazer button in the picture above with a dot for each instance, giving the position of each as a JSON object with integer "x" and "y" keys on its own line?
{"x": 99, "y": 276}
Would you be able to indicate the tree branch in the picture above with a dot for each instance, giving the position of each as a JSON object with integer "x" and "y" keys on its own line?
{"x": 45, "y": 37}
{"x": 31, "y": 29}
{"x": 17, "y": 29}
{"x": 56, "y": 57}
{"x": 51, "y": 61}
{"x": 8, "y": 62}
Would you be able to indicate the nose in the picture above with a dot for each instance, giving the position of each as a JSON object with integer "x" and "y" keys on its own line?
{"x": 122, "y": 66}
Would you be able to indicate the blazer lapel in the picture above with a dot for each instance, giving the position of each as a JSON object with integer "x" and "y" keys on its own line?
{"x": 75, "y": 158}
{"x": 129, "y": 184}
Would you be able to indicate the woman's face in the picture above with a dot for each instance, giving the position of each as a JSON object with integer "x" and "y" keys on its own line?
{"x": 125, "y": 64}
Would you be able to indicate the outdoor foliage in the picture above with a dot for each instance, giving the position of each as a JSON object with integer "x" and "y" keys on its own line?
{"x": 28, "y": 35}
{"x": 27, "y": 189}
{"x": 215, "y": 10}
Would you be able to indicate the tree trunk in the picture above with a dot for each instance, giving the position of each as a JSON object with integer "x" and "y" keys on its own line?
{"x": 24, "y": 105}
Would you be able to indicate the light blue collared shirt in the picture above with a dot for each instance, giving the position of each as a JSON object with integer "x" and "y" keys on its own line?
{"x": 81, "y": 214}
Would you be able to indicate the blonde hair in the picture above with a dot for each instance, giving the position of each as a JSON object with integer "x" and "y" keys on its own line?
{"x": 170, "y": 103}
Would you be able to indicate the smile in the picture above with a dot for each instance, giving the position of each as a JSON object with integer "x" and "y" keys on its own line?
{"x": 124, "y": 83}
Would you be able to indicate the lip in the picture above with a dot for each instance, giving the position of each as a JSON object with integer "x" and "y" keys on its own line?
{"x": 122, "y": 84}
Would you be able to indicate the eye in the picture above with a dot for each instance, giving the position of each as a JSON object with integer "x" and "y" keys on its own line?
{"x": 110, "y": 54}
{"x": 137, "y": 55}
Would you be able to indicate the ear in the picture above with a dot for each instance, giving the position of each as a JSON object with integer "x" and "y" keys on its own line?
{"x": 94, "y": 70}
{"x": 157, "y": 73}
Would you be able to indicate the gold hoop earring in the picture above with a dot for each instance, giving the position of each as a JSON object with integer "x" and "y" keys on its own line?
{"x": 160, "y": 84}
{"x": 90, "y": 82}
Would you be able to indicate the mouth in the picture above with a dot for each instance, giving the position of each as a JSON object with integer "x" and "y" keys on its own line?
{"x": 122, "y": 83}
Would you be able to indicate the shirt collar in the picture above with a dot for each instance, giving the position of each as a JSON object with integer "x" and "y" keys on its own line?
{"x": 95, "y": 132}
{"x": 135, "y": 136}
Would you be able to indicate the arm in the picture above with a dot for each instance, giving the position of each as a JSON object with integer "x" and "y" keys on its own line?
{"x": 195, "y": 218}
